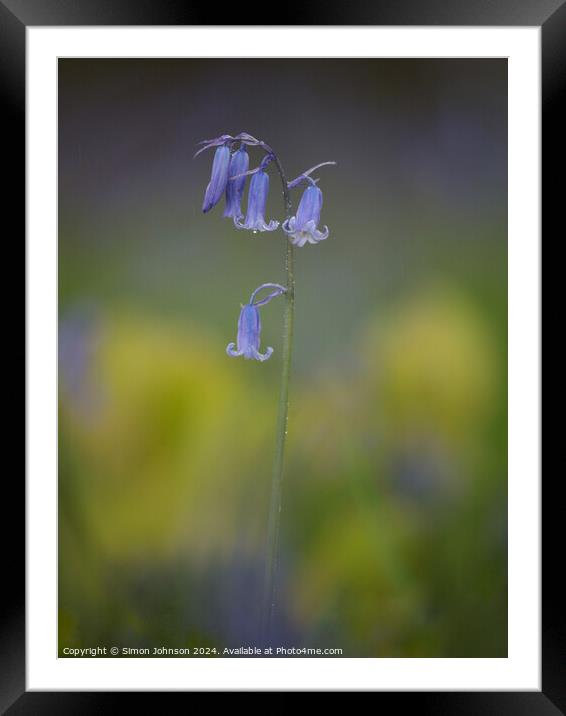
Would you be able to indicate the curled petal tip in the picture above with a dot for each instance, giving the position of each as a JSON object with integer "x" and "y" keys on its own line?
{"x": 318, "y": 234}
{"x": 288, "y": 225}
{"x": 265, "y": 356}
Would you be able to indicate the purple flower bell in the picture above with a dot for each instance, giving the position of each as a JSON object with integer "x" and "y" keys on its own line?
{"x": 249, "y": 326}
{"x": 239, "y": 163}
{"x": 257, "y": 199}
{"x": 218, "y": 178}
{"x": 302, "y": 228}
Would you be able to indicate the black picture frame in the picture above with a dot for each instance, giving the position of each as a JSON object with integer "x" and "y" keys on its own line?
{"x": 15, "y": 17}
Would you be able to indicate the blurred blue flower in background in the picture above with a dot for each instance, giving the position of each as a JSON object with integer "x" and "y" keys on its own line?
{"x": 78, "y": 336}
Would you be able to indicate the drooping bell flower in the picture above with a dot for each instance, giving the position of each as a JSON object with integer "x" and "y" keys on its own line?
{"x": 302, "y": 227}
{"x": 218, "y": 178}
{"x": 239, "y": 163}
{"x": 249, "y": 326}
{"x": 257, "y": 199}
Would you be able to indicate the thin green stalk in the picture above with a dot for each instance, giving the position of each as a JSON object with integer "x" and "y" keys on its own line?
{"x": 281, "y": 435}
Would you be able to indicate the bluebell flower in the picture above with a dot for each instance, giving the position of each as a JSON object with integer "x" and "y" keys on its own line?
{"x": 218, "y": 179}
{"x": 302, "y": 227}
{"x": 257, "y": 199}
{"x": 239, "y": 163}
{"x": 249, "y": 326}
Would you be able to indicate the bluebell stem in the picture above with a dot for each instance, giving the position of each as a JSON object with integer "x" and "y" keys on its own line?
{"x": 257, "y": 199}
{"x": 218, "y": 178}
{"x": 249, "y": 326}
{"x": 239, "y": 163}
{"x": 302, "y": 227}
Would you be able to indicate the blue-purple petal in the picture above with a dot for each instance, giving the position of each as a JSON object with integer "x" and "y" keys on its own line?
{"x": 218, "y": 179}
{"x": 239, "y": 163}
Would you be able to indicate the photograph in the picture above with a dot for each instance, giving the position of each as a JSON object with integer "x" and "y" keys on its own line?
{"x": 282, "y": 357}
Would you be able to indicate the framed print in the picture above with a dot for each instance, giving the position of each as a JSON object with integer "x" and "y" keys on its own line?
{"x": 283, "y": 354}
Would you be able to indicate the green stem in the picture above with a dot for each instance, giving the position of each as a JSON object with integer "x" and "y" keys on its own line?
{"x": 282, "y": 421}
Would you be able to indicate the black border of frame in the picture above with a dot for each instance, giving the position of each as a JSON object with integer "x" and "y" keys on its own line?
{"x": 15, "y": 16}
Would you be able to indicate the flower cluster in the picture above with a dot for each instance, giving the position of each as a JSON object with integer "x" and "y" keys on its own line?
{"x": 230, "y": 170}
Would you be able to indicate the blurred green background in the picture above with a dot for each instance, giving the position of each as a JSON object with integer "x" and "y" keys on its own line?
{"x": 394, "y": 521}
